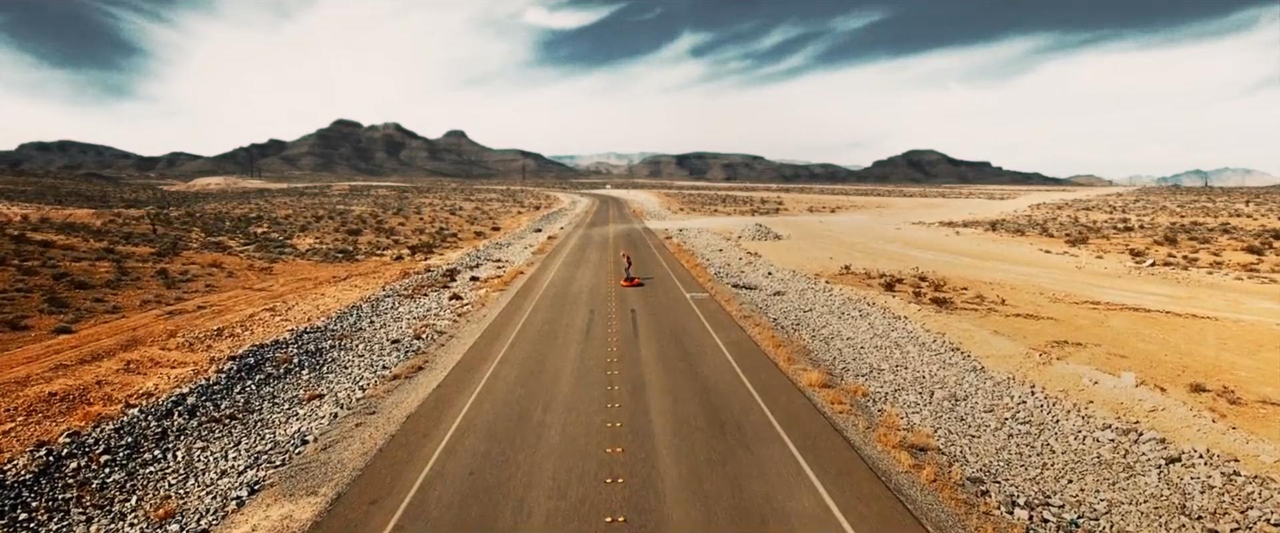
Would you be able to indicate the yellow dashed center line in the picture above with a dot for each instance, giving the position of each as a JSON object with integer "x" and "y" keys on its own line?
{"x": 612, "y": 349}
{"x": 611, "y": 357}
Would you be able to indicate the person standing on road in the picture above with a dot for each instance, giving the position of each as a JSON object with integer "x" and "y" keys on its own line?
{"x": 626, "y": 269}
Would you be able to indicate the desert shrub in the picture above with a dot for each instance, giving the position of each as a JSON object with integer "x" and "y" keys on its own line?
{"x": 55, "y": 301}
{"x": 941, "y": 300}
{"x": 16, "y": 322}
{"x": 1255, "y": 249}
{"x": 63, "y": 328}
{"x": 937, "y": 284}
{"x": 889, "y": 282}
{"x": 1077, "y": 239}
{"x": 80, "y": 284}
{"x": 1229, "y": 395}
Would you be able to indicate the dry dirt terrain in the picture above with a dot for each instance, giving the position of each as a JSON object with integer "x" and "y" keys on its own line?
{"x": 1192, "y": 351}
{"x": 116, "y": 292}
{"x": 1213, "y": 229}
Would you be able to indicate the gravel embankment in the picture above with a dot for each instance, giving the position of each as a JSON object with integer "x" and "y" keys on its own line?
{"x": 183, "y": 463}
{"x": 1039, "y": 459}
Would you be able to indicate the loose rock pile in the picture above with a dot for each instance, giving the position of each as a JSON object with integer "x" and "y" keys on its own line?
{"x": 759, "y": 232}
{"x": 184, "y": 462}
{"x": 1038, "y": 459}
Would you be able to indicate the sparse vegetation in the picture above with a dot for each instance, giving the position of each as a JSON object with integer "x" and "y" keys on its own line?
{"x": 815, "y": 379}
{"x": 75, "y": 251}
{"x": 1168, "y": 226}
{"x": 921, "y": 288}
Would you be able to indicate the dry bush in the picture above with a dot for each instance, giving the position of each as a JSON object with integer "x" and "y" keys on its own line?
{"x": 942, "y": 301}
{"x": 921, "y": 440}
{"x": 856, "y": 391}
{"x": 889, "y": 282}
{"x": 311, "y": 396}
{"x": 815, "y": 379}
{"x": 1230, "y": 396}
{"x": 164, "y": 510}
{"x": 888, "y": 431}
{"x": 833, "y": 397}
{"x": 929, "y": 473}
{"x": 1198, "y": 387}
{"x": 407, "y": 370}
{"x": 1078, "y": 239}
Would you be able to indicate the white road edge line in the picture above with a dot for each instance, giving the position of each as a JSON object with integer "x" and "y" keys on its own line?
{"x": 790, "y": 445}
{"x": 422, "y": 476}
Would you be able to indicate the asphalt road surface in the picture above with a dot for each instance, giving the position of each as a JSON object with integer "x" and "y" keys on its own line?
{"x": 587, "y": 406}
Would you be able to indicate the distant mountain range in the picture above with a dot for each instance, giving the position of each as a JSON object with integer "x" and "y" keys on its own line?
{"x": 912, "y": 167}
{"x": 734, "y": 167}
{"x": 1222, "y": 177}
{"x": 347, "y": 147}
{"x": 343, "y": 147}
{"x": 617, "y": 163}
{"x": 610, "y": 158}
{"x": 936, "y": 168}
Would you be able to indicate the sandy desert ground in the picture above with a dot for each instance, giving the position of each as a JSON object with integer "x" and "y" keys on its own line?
{"x": 1191, "y": 352}
{"x": 115, "y": 293}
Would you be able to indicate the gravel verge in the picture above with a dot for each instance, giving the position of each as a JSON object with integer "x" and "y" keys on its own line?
{"x": 186, "y": 461}
{"x": 1024, "y": 454}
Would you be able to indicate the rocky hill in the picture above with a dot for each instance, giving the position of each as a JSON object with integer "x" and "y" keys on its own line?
{"x": 344, "y": 147}
{"x": 72, "y": 156}
{"x": 734, "y": 167}
{"x": 925, "y": 167}
{"x": 936, "y": 168}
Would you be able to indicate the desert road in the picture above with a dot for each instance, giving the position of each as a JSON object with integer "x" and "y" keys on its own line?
{"x": 587, "y": 406}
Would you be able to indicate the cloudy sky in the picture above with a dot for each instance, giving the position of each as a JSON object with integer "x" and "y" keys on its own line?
{"x": 1111, "y": 87}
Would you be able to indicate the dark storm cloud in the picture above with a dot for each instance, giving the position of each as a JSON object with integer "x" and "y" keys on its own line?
{"x": 78, "y": 35}
{"x": 906, "y": 26}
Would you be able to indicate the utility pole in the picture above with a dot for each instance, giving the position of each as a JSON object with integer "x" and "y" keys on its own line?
{"x": 251, "y": 162}
{"x": 522, "y": 162}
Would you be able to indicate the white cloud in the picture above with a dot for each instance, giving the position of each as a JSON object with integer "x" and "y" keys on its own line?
{"x": 242, "y": 72}
{"x": 650, "y": 14}
{"x": 566, "y": 18}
